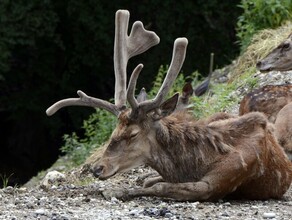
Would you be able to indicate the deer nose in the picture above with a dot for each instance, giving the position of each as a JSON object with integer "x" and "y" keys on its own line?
{"x": 97, "y": 171}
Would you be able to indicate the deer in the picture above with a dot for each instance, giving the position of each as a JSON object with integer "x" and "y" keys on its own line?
{"x": 224, "y": 156}
{"x": 269, "y": 99}
{"x": 274, "y": 100}
{"x": 279, "y": 59}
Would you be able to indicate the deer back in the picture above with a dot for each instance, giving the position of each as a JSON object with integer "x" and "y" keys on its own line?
{"x": 269, "y": 99}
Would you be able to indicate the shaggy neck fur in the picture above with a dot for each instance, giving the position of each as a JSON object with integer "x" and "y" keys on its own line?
{"x": 185, "y": 149}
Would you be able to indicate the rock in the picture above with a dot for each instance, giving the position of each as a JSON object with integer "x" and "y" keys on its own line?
{"x": 9, "y": 190}
{"x": 41, "y": 211}
{"x": 52, "y": 177}
{"x": 269, "y": 215}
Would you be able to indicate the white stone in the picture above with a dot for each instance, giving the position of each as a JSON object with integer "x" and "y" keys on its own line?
{"x": 52, "y": 177}
{"x": 269, "y": 215}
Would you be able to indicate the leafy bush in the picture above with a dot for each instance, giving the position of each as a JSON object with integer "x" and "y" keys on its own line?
{"x": 97, "y": 127}
{"x": 261, "y": 14}
{"x": 223, "y": 97}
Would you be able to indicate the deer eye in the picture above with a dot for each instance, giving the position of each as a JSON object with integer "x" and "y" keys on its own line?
{"x": 134, "y": 134}
{"x": 286, "y": 46}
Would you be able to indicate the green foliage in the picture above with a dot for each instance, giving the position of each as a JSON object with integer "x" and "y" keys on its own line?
{"x": 178, "y": 83}
{"x": 261, "y": 14}
{"x": 5, "y": 179}
{"x": 98, "y": 127}
{"x": 223, "y": 96}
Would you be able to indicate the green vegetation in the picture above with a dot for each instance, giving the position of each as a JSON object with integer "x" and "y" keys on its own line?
{"x": 261, "y": 44}
{"x": 97, "y": 130}
{"x": 223, "y": 97}
{"x": 5, "y": 179}
{"x": 261, "y": 14}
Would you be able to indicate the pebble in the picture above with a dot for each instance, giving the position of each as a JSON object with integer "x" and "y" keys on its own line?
{"x": 52, "y": 177}
{"x": 40, "y": 211}
{"x": 8, "y": 190}
{"x": 134, "y": 212}
{"x": 269, "y": 215}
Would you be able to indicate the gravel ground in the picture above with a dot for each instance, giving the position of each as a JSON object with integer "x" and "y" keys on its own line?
{"x": 82, "y": 199}
{"x": 68, "y": 201}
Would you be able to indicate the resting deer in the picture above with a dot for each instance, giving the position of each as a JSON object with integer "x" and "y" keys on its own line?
{"x": 279, "y": 59}
{"x": 274, "y": 100}
{"x": 197, "y": 160}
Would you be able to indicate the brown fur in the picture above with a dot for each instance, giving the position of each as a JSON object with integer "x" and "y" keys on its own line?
{"x": 269, "y": 99}
{"x": 237, "y": 157}
{"x": 275, "y": 102}
{"x": 283, "y": 128}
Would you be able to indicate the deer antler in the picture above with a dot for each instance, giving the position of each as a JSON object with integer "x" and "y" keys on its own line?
{"x": 125, "y": 47}
{"x": 178, "y": 56}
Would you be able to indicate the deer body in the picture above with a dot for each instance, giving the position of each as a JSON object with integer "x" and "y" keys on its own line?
{"x": 283, "y": 128}
{"x": 274, "y": 100}
{"x": 201, "y": 161}
{"x": 223, "y": 155}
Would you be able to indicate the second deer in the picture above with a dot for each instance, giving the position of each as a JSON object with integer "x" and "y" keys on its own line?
{"x": 274, "y": 100}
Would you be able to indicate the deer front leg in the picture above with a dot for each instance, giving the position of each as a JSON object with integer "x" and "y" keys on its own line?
{"x": 197, "y": 191}
{"x": 227, "y": 176}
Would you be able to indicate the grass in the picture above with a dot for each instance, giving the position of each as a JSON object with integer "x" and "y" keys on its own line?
{"x": 223, "y": 96}
{"x": 262, "y": 43}
{"x": 5, "y": 179}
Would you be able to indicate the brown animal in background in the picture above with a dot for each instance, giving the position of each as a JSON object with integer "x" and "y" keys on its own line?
{"x": 283, "y": 128}
{"x": 279, "y": 59}
{"x": 269, "y": 99}
{"x": 198, "y": 161}
{"x": 274, "y": 100}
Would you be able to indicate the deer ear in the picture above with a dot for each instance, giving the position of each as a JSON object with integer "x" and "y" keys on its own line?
{"x": 166, "y": 108}
{"x": 187, "y": 91}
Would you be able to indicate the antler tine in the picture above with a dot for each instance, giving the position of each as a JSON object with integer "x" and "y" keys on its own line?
{"x": 131, "y": 87}
{"x": 126, "y": 47}
{"x": 178, "y": 57}
{"x": 83, "y": 100}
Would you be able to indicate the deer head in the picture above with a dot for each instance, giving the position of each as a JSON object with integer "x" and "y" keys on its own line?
{"x": 136, "y": 121}
{"x": 279, "y": 59}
